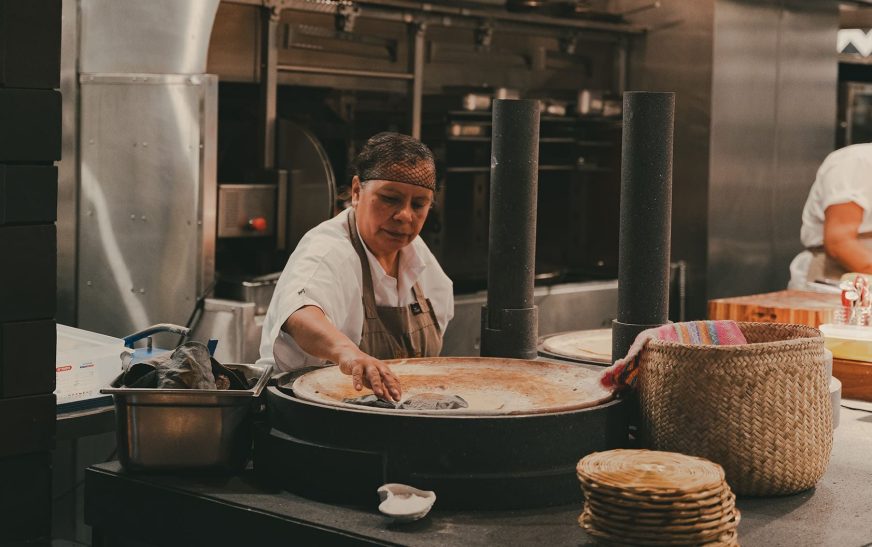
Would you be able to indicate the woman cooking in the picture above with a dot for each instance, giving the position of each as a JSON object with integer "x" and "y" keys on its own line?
{"x": 837, "y": 220}
{"x": 362, "y": 286}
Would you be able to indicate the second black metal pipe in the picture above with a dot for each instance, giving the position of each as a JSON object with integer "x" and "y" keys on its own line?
{"x": 646, "y": 216}
{"x": 510, "y": 321}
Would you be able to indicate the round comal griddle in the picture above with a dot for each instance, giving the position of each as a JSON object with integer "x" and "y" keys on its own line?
{"x": 516, "y": 445}
{"x": 580, "y": 346}
{"x": 489, "y": 386}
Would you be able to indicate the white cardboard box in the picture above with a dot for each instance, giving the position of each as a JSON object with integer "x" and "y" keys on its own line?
{"x": 86, "y": 362}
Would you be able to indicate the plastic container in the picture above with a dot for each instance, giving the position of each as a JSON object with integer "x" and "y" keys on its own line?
{"x": 86, "y": 362}
{"x": 850, "y": 342}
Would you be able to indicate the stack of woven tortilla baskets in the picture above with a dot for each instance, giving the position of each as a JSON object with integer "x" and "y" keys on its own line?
{"x": 643, "y": 497}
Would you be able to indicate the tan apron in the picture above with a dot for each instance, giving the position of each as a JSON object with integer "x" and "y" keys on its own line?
{"x": 395, "y": 333}
{"x": 824, "y": 267}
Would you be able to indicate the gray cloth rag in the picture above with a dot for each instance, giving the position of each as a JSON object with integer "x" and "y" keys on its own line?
{"x": 421, "y": 401}
{"x": 371, "y": 401}
{"x": 433, "y": 401}
{"x": 188, "y": 367}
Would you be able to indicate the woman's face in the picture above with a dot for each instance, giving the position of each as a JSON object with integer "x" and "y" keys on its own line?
{"x": 390, "y": 215}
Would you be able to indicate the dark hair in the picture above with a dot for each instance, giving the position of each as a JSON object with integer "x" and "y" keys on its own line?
{"x": 396, "y": 157}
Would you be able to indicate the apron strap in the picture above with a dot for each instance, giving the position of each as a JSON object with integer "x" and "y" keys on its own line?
{"x": 820, "y": 248}
{"x": 422, "y": 301}
{"x": 369, "y": 306}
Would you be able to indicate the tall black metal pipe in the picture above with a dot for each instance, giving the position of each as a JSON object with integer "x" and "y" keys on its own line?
{"x": 646, "y": 213}
{"x": 510, "y": 320}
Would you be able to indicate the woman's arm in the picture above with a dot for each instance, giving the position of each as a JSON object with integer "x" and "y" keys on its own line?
{"x": 841, "y": 227}
{"x": 317, "y": 336}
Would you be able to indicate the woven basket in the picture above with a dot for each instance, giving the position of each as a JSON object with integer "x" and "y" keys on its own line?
{"x": 761, "y": 410}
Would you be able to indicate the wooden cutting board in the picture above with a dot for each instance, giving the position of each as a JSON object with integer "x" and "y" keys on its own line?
{"x": 856, "y": 378}
{"x": 798, "y": 307}
{"x": 804, "y": 308}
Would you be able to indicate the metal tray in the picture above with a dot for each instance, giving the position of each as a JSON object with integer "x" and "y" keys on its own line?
{"x": 187, "y": 429}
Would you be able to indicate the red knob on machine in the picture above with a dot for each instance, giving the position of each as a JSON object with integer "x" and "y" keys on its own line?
{"x": 258, "y": 224}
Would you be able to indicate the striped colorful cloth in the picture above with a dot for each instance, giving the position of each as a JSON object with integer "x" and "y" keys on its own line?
{"x": 624, "y": 373}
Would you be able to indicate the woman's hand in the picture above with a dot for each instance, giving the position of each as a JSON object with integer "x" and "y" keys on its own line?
{"x": 368, "y": 371}
{"x": 317, "y": 336}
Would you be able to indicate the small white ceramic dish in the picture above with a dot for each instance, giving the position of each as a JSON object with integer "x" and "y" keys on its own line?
{"x": 405, "y": 503}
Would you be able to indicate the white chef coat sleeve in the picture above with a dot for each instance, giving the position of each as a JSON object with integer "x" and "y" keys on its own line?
{"x": 845, "y": 182}
{"x": 441, "y": 293}
{"x": 448, "y": 312}
{"x": 314, "y": 280}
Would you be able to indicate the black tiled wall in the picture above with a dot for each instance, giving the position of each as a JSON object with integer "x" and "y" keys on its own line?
{"x": 29, "y": 344}
{"x": 28, "y": 194}
{"x": 30, "y": 143}
{"x": 30, "y": 44}
{"x": 25, "y": 497}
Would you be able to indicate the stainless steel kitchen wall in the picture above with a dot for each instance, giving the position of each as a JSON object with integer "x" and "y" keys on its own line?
{"x": 147, "y": 202}
{"x": 676, "y": 55}
{"x": 756, "y": 87}
{"x": 773, "y": 122}
{"x": 147, "y": 156}
{"x": 155, "y": 37}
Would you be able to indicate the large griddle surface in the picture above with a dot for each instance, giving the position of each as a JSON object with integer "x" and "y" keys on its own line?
{"x": 491, "y": 386}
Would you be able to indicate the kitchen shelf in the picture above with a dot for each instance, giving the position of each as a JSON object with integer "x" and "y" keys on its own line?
{"x": 559, "y": 119}
{"x": 487, "y": 169}
{"x": 467, "y": 169}
{"x": 597, "y": 144}
{"x": 600, "y": 120}
{"x": 593, "y": 169}
{"x": 482, "y": 122}
{"x": 543, "y": 140}
{"x": 488, "y": 115}
{"x": 468, "y": 139}
{"x": 469, "y": 113}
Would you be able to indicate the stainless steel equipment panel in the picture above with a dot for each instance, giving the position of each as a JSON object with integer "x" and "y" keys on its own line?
{"x": 772, "y": 123}
{"x": 235, "y": 325}
{"x": 148, "y": 198}
{"x": 158, "y": 36}
{"x": 246, "y": 210}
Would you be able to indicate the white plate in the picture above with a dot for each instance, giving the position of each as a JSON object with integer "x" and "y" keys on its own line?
{"x": 405, "y": 503}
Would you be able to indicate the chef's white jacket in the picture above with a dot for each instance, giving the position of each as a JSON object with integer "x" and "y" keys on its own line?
{"x": 845, "y": 176}
{"x": 325, "y": 271}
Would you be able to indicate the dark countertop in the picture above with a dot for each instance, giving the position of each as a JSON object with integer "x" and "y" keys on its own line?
{"x": 187, "y": 510}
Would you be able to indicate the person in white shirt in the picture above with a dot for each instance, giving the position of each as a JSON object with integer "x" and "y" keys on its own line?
{"x": 837, "y": 219}
{"x": 363, "y": 286}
